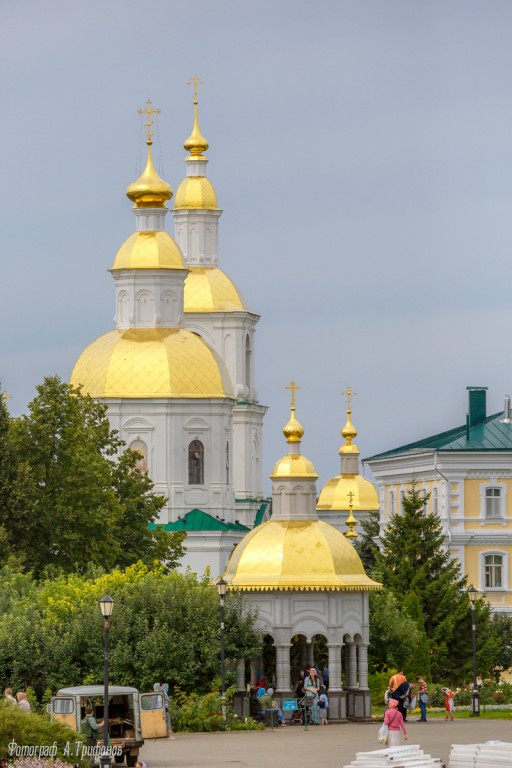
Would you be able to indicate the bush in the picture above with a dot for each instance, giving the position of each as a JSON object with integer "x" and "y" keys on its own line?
{"x": 192, "y": 712}
{"x": 25, "y": 729}
{"x": 378, "y": 683}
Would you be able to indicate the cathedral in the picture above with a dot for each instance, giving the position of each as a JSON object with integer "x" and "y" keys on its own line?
{"x": 177, "y": 373}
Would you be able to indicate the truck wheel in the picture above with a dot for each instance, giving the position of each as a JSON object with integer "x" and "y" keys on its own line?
{"x": 119, "y": 758}
{"x": 131, "y": 760}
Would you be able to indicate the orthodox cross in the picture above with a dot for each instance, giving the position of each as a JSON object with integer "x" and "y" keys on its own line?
{"x": 6, "y": 396}
{"x": 293, "y": 386}
{"x": 349, "y": 394}
{"x": 194, "y": 82}
{"x": 350, "y": 499}
{"x": 148, "y": 110}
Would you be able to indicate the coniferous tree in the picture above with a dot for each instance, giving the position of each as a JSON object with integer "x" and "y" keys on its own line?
{"x": 365, "y": 544}
{"x": 415, "y": 560}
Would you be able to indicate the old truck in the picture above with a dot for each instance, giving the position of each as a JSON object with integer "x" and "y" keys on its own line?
{"x": 132, "y": 716}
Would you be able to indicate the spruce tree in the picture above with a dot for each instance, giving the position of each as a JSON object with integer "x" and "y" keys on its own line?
{"x": 365, "y": 544}
{"x": 414, "y": 561}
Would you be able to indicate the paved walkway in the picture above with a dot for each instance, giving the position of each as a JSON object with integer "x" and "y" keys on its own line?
{"x": 323, "y": 747}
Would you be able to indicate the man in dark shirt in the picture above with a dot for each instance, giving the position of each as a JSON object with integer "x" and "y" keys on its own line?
{"x": 401, "y": 694}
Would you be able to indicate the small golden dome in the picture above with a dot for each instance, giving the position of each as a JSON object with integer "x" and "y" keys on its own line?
{"x": 149, "y": 191}
{"x": 335, "y": 494}
{"x": 149, "y": 250}
{"x": 349, "y": 432}
{"x": 151, "y": 362}
{"x": 294, "y": 465}
{"x": 209, "y": 289}
{"x": 296, "y": 555}
{"x": 196, "y": 144}
{"x": 293, "y": 429}
{"x": 196, "y": 192}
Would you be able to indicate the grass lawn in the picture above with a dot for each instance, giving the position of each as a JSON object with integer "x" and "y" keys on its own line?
{"x": 463, "y": 714}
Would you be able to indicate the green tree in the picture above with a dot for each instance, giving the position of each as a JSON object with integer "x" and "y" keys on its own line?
{"x": 365, "y": 544}
{"x": 164, "y": 625}
{"x": 394, "y": 635}
{"x": 69, "y": 496}
{"x": 415, "y": 560}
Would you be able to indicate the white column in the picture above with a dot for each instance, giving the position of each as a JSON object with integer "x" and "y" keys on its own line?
{"x": 283, "y": 667}
{"x": 334, "y": 665}
{"x": 362, "y": 658}
{"x": 352, "y": 665}
{"x": 240, "y": 675}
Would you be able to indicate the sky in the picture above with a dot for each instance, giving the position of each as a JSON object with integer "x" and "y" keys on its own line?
{"x": 361, "y": 151}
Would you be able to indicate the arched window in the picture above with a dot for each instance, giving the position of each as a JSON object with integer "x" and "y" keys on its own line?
{"x": 196, "y": 463}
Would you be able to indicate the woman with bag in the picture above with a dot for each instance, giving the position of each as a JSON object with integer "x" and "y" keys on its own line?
{"x": 394, "y": 723}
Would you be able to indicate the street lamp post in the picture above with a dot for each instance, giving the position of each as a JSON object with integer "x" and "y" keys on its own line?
{"x": 473, "y": 593}
{"x": 222, "y": 588}
{"x": 106, "y": 606}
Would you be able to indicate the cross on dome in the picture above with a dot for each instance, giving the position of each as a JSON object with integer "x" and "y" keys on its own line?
{"x": 194, "y": 82}
{"x": 349, "y": 394}
{"x": 148, "y": 110}
{"x": 293, "y": 386}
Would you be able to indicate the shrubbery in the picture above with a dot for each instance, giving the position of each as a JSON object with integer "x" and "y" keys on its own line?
{"x": 191, "y": 712}
{"x": 27, "y": 729}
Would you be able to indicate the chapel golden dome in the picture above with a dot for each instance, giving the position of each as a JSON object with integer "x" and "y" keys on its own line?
{"x": 296, "y": 555}
{"x": 149, "y": 191}
{"x": 293, "y": 464}
{"x": 349, "y": 432}
{"x": 149, "y": 250}
{"x": 151, "y": 362}
{"x": 335, "y": 494}
{"x": 209, "y": 289}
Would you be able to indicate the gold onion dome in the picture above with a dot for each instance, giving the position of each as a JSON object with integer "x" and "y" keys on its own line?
{"x": 196, "y": 192}
{"x": 149, "y": 250}
{"x": 296, "y": 555}
{"x": 209, "y": 289}
{"x": 149, "y": 191}
{"x": 294, "y": 464}
{"x": 335, "y": 494}
{"x": 151, "y": 362}
{"x": 349, "y": 432}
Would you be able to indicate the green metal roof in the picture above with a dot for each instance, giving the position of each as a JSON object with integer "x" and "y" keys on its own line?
{"x": 197, "y": 520}
{"x": 490, "y": 435}
{"x": 258, "y": 518}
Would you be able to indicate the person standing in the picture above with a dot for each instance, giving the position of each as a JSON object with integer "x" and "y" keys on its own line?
{"x": 90, "y": 728}
{"x": 395, "y": 723}
{"x": 401, "y": 695}
{"x": 448, "y": 703}
{"x": 323, "y": 705}
{"x": 9, "y": 697}
{"x": 311, "y": 688}
{"x": 396, "y": 680}
{"x": 422, "y": 698}
{"x": 23, "y": 702}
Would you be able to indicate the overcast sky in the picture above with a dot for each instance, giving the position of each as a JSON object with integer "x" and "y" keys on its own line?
{"x": 361, "y": 151}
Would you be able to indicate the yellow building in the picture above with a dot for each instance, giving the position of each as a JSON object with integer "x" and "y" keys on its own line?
{"x": 466, "y": 476}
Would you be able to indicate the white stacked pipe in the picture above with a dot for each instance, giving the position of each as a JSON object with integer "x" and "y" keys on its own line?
{"x": 409, "y": 756}
{"x": 488, "y": 755}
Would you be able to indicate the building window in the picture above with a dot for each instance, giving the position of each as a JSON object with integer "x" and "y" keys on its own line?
{"x": 402, "y": 496}
{"x": 493, "y": 502}
{"x": 425, "y": 500}
{"x": 196, "y": 463}
{"x": 435, "y": 502}
{"x": 493, "y": 571}
{"x": 227, "y": 463}
{"x": 391, "y": 503}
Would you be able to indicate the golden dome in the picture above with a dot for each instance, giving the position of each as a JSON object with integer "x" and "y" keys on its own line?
{"x": 298, "y": 555}
{"x": 196, "y": 143}
{"x": 196, "y": 192}
{"x": 151, "y": 362}
{"x": 294, "y": 465}
{"x": 335, "y": 494}
{"x": 349, "y": 432}
{"x": 149, "y": 191}
{"x": 209, "y": 289}
{"x": 293, "y": 429}
{"x": 149, "y": 250}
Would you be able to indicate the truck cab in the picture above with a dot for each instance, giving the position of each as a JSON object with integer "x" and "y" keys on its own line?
{"x": 132, "y": 716}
